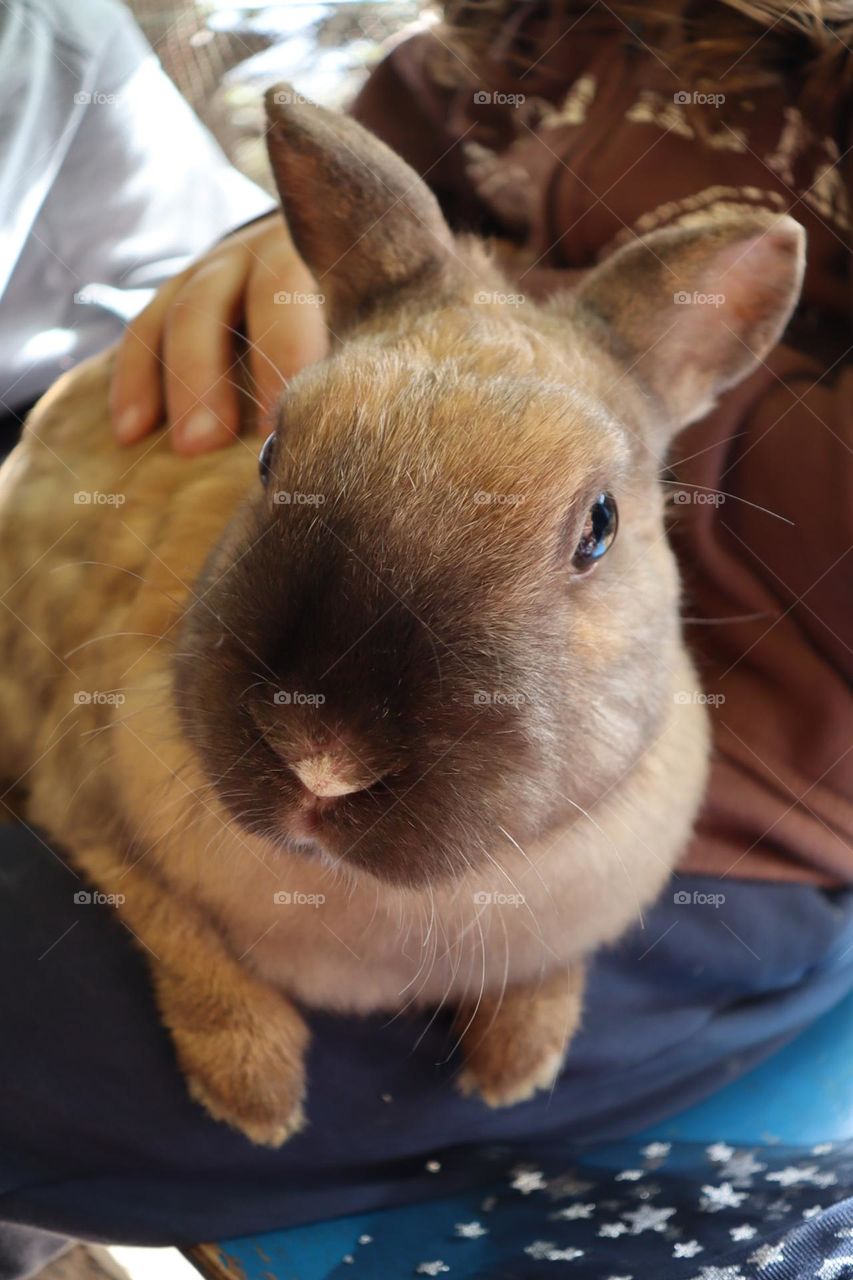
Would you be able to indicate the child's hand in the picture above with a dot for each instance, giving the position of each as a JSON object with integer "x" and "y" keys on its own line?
{"x": 177, "y": 360}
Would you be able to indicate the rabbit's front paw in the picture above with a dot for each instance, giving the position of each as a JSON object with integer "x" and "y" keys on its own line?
{"x": 516, "y": 1046}
{"x": 248, "y": 1071}
{"x": 504, "y": 1074}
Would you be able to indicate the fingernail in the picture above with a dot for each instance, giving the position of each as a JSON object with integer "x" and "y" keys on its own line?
{"x": 127, "y": 425}
{"x": 201, "y": 429}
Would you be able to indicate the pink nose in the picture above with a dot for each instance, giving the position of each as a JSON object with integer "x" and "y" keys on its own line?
{"x": 329, "y": 774}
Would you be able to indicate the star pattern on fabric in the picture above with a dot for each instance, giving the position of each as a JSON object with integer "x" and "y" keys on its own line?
{"x": 714, "y": 1199}
{"x": 832, "y": 1268}
{"x": 766, "y": 1255}
{"x": 798, "y": 1175}
{"x": 741, "y": 1168}
{"x": 528, "y": 1180}
{"x": 688, "y": 1249}
{"x": 575, "y": 1212}
{"x": 656, "y": 1150}
{"x": 547, "y": 1251}
{"x": 719, "y": 1152}
{"x": 719, "y": 1273}
{"x": 647, "y": 1218}
{"x": 706, "y": 1216}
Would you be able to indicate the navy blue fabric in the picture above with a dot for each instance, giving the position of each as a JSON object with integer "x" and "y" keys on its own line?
{"x": 98, "y": 1137}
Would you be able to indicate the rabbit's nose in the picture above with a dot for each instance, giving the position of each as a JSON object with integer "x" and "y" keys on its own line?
{"x": 328, "y": 774}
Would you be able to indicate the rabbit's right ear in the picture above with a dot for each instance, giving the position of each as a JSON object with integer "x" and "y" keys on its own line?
{"x": 364, "y": 222}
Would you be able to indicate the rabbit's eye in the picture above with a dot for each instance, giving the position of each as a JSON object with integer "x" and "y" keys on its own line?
{"x": 599, "y": 530}
{"x": 265, "y": 458}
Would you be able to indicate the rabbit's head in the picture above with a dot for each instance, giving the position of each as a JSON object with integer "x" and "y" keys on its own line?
{"x": 447, "y": 617}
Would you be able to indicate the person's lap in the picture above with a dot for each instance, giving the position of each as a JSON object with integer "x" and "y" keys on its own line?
{"x": 98, "y": 1137}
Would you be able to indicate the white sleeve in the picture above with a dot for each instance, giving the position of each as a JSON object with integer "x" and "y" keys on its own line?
{"x": 106, "y": 177}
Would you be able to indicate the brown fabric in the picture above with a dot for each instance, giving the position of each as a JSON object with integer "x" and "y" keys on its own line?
{"x": 586, "y": 161}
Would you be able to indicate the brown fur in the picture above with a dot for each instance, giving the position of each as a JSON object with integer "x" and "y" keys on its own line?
{"x": 493, "y": 844}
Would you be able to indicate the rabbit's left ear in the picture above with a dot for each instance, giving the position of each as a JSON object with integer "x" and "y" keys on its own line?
{"x": 691, "y": 310}
{"x": 364, "y": 222}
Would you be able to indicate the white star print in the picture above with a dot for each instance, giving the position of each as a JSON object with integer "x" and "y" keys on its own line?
{"x": 767, "y": 1254}
{"x": 800, "y": 1175}
{"x": 722, "y": 1197}
{"x": 575, "y": 1211}
{"x": 656, "y": 1150}
{"x": 527, "y": 1180}
{"x": 540, "y": 1249}
{"x": 832, "y": 1268}
{"x": 613, "y": 1230}
{"x": 719, "y": 1152}
{"x": 687, "y": 1250}
{"x": 547, "y": 1251}
{"x": 647, "y": 1219}
{"x": 720, "y": 1273}
{"x": 629, "y": 1175}
{"x": 746, "y": 1232}
{"x": 470, "y": 1230}
{"x": 741, "y": 1168}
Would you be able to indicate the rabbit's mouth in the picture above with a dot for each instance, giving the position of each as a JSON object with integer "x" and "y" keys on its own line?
{"x": 332, "y": 824}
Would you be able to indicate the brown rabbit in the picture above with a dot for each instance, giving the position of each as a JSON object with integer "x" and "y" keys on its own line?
{"x": 404, "y": 721}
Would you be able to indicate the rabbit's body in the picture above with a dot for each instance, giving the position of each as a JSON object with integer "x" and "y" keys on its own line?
{"x": 381, "y": 731}
{"x": 110, "y": 586}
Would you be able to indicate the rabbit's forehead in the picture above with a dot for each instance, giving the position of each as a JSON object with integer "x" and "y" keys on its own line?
{"x": 444, "y": 419}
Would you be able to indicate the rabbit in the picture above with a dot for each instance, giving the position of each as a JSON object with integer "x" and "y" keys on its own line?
{"x": 399, "y": 714}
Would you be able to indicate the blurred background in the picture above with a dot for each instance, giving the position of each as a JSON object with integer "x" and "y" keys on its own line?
{"x": 222, "y": 56}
